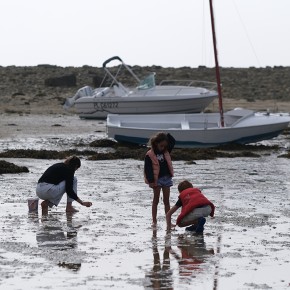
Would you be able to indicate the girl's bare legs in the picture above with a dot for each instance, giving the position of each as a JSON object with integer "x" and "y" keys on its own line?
{"x": 166, "y": 196}
{"x": 156, "y": 192}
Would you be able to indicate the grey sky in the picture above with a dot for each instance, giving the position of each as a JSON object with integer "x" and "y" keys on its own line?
{"x": 161, "y": 32}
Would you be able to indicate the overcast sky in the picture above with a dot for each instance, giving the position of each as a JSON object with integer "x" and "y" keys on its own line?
{"x": 161, "y": 32}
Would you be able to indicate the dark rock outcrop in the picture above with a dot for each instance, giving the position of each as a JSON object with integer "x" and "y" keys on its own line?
{"x": 7, "y": 167}
{"x": 62, "y": 81}
{"x": 43, "y": 154}
{"x": 103, "y": 143}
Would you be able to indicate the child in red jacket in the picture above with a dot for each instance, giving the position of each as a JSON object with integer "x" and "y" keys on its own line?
{"x": 195, "y": 207}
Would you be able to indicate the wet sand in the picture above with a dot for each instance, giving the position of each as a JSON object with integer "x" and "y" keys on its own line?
{"x": 111, "y": 245}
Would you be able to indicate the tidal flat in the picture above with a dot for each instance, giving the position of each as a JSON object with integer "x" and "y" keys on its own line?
{"x": 112, "y": 245}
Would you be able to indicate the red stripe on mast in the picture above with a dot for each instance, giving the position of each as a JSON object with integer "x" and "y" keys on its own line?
{"x": 217, "y": 68}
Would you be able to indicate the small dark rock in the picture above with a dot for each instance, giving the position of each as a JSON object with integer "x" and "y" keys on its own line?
{"x": 11, "y": 124}
{"x": 103, "y": 143}
{"x": 70, "y": 266}
{"x": 190, "y": 162}
{"x": 40, "y": 94}
{"x": 18, "y": 94}
{"x": 7, "y": 167}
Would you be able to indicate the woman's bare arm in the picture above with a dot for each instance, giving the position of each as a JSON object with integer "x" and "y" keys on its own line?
{"x": 84, "y": 203}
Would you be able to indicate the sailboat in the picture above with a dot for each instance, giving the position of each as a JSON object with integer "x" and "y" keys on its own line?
{"x": 204, "y": 129}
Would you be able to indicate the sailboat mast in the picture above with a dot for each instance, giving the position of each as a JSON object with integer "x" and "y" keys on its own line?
{"x": 217, "y": 68}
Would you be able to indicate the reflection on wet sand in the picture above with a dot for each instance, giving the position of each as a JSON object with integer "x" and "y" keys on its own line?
{"x": 190, "y": 253}
{"x": 160, "y": 277}
{"x": 53, "y": 235}
{"x": 217, "y": 274}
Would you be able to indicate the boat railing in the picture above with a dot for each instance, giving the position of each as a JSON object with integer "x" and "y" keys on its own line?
{"x": 114, "y": 77}
{"x": 190, "y": 83}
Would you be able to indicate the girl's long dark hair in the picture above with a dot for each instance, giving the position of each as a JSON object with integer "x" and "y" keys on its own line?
{"x": 156, "y": 139}
{"x": 73, "y": 162}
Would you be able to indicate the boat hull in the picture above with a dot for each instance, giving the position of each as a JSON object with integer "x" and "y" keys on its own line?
{"x": 99, "y": 108}
{"x": 251, "y": 129}
{"x": 196, "y": 142}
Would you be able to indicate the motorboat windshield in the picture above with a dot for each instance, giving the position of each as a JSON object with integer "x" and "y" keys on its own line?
{"x": 147, "y": 83}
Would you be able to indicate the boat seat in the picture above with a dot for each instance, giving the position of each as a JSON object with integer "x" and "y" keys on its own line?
{"x": 185, "y": 125}
{"x": 238, "y": 115}
{"x": 118, "y": 91}
{"x": 102, "y": 93}
{"x": 86, "y": 91}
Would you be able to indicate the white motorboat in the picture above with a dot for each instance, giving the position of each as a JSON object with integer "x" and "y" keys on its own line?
{"x": 198, "y": 130}
{"x": 146, "y": 98}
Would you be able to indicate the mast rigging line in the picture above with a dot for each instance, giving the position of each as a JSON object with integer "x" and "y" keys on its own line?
{"x": 246, "y": 32}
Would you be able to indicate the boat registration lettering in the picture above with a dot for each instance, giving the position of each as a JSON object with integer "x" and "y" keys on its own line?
{"x": 106, "y": 105}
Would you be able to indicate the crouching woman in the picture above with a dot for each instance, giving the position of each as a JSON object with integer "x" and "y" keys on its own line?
{"x": 58, "y": 179}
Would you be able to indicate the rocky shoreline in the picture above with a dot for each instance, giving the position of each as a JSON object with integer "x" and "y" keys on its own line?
{"x": 115, "y": 151}
{"x": 125, "y": 153}
{"x": 8, "y": 167}
{"x": 24, "y": 89}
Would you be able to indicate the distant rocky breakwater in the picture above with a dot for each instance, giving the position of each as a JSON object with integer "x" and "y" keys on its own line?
{"x": 52, "y": 84}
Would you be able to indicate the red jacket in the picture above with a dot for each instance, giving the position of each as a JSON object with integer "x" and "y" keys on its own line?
{"x": 192, "y": 198}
